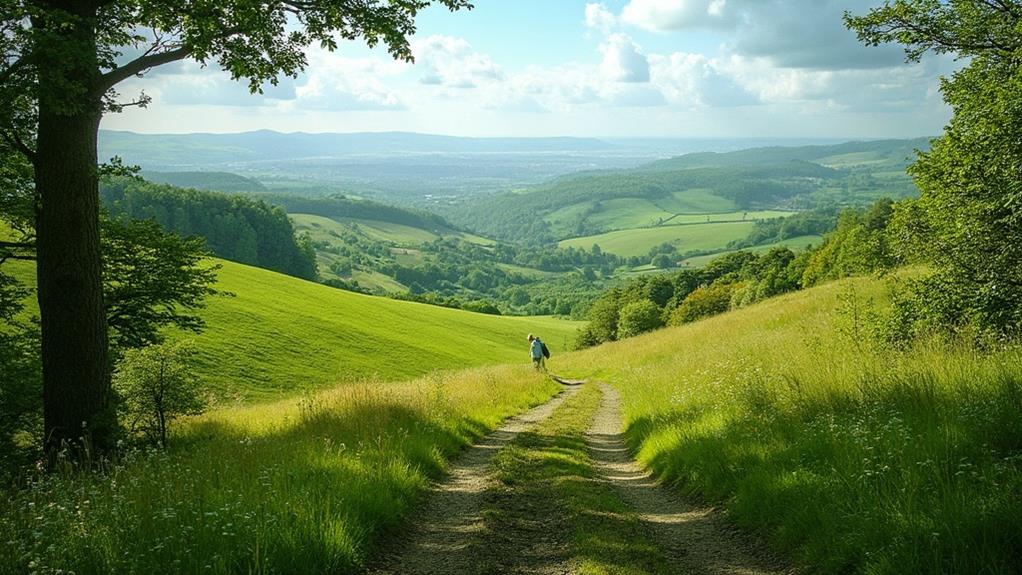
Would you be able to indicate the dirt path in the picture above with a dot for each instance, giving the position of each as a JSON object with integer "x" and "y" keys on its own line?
{"x": 695, "y": 539}
{"x": 439, "y": 539}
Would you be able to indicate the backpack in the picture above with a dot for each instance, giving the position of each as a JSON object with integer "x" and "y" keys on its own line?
{"x": 546, "y": 351}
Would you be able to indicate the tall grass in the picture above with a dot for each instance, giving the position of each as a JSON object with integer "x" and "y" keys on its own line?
{"x": 301, "y": 486}
{"x": 850, "y": 458}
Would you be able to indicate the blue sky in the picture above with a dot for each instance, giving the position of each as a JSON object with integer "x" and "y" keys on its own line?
{"x": 618, "y": 68}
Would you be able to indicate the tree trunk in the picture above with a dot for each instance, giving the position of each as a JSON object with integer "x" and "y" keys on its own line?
{"x": 76, "y": 374}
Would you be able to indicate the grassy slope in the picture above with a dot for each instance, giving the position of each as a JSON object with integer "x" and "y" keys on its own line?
{"x": 280, "y": 335}
{"x": 849, "y": 459}
{"x": 686, "y": 237}
{"x": 298, "y": 486}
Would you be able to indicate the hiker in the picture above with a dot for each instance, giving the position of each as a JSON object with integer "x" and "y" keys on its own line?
{"x": 539, "y": 352}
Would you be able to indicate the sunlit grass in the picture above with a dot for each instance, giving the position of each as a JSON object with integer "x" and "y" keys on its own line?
{"x": 847, "y": 457}
{"x": 300, "y": 486}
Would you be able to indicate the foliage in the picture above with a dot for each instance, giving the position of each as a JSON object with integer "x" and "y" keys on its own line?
{"x": 152, "y": 280}
{"x": 860, "y": 245}
{"x": 62, "y": 63}
{"x": 234, "y": 227}
{"x": 704, "y": 302}
{"x": 338, "y": 207}
{"x": 19, "y": 376}
{"x": 815, "y": 222}
{"x": 155, "y": 385}
{"x": 846, "y": 458}
{"x": 638, "y": 317}
{"x": 730, "y": 281}
{"x": 971, "y": 191}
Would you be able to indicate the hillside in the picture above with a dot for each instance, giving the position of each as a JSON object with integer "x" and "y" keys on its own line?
{"x": 651, "y": 204}
{"x": 849, "y": 457}
{"x": 217, "y": 181}
{"x": 283, "y": 336}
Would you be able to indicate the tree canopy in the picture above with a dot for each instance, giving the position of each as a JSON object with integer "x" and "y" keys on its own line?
{"x": 971, "y": 180}
{"x": 62, "y": 61}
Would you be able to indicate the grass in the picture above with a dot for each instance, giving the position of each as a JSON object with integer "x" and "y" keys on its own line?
{"x": 796, "y": 244}
{"x": 695, "y": 201}
{"x": 320, "y": 229}
{"x": 546, "y": 474}
{"x": 280, "y": 336}
{"x": 638, "y": 242}
{"x": 301, "y": 486}
{"x": 847, "y": 458}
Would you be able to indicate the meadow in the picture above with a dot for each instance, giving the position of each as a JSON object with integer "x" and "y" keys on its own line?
{"x": 279, "y": 336}
{"x": 638, "y": 242}
{"x": 304, "y": 485}
{"x": 846, "y": 456}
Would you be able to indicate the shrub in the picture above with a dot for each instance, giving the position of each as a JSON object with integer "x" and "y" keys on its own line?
{"x": 156, "y": 385}
{"x": 638, "y": 317}
{"x": 705, "y": 301}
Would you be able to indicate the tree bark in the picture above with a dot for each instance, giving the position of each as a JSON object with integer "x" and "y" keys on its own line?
{"x": 76, "y": 373}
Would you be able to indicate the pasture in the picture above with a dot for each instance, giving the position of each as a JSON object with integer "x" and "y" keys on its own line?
{"x": 637, "y": 242}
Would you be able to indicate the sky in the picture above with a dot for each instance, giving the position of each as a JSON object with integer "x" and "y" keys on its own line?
{"x": 612, "y": 69}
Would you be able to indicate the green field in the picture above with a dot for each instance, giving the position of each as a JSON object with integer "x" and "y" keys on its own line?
{"x": 280, "y": 336}
{"x": 320, "y": 228}
{"x": 695, "y": 201}
{"x": 283, "y": 336}
{"x": 310, "y": 485}
{"x": 638, "y": 242}
{"x": 795, "y": 244}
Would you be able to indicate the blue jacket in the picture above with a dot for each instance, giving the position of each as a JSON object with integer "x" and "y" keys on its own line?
{"x": 537, "y": 349}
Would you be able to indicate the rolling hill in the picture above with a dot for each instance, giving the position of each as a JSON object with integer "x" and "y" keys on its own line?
{"x": 627, "y": 212}
{"x": 281, "y": 336}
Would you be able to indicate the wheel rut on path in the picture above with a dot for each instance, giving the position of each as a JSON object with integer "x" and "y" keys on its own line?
{"x": 438, "y": 541}
{"x": 696, "y": 539}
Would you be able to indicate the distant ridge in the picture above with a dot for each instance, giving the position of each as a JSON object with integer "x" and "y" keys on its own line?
{"x": 204, "y": 149}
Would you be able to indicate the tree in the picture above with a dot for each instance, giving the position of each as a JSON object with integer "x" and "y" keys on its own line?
{"x": 970, "y": 182}
{"x": 662, "y": 261}
{"x": 62, "y": 62}
{"x": 704, "y": 301}
{"x": 156, "y": 385}
{"x": 152, "y": 279}
{"x": 638, "y": 317}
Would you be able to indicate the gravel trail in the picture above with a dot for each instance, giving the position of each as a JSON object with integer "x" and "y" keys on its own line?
{"x": 438, "y": 541}
{"x": 696, "y": 539}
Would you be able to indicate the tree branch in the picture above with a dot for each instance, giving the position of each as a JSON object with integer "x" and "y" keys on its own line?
{"x": 140, "y": 65}
{"x": 14, "y": 140}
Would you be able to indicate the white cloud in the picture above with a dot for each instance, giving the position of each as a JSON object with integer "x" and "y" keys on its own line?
{"x": 623, "y": 61}
{"x": 668, "y": 15}
{"x": 451, "y": 62}
{"x": 695, "y": 81}
{"x": 598, "y": 17}
{"x": 336, "y": 82}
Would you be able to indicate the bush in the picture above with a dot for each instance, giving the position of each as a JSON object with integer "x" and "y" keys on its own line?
{"x": 705, "y": 301}
{"x": 638, "y": 317}
{"x": 156, "y": 385}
